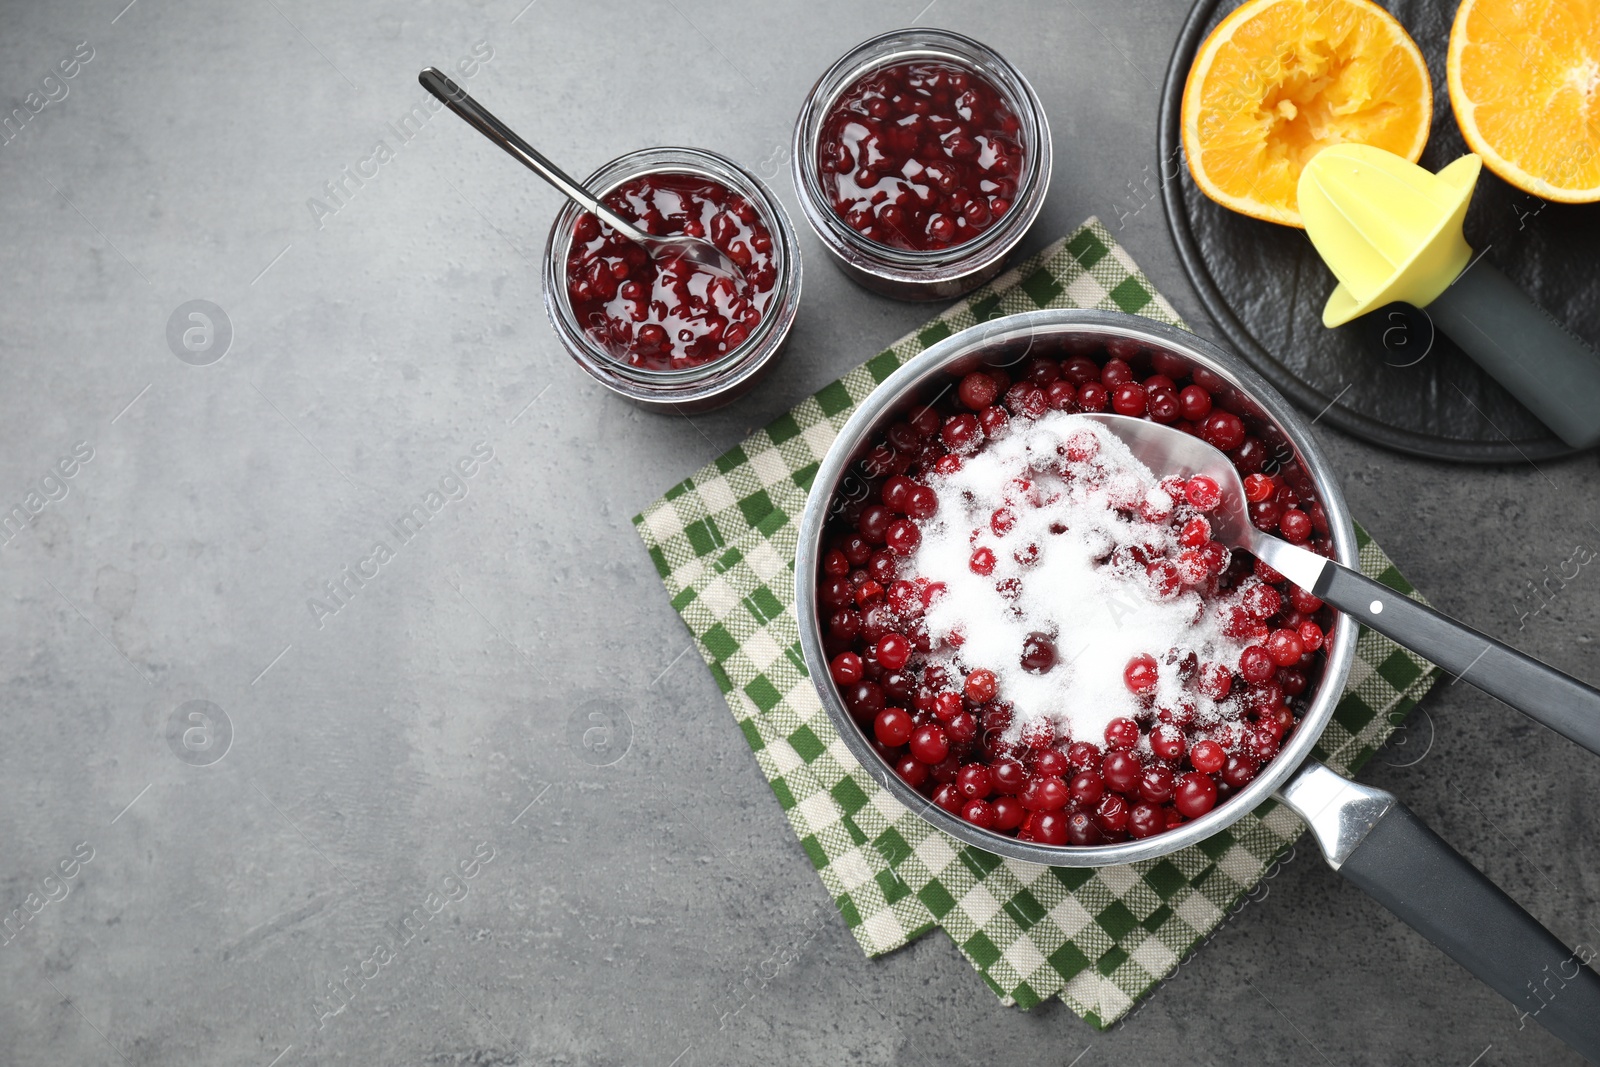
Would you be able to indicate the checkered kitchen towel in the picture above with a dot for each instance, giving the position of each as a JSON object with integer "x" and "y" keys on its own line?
{"x": 724, "y": 542}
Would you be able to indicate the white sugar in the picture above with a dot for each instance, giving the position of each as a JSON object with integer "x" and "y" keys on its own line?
{"x": 1085, "y": 589}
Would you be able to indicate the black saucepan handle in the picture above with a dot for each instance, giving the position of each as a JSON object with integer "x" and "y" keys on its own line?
{"x": 1411, "y": 871}
{"x": 1539, "y": 691}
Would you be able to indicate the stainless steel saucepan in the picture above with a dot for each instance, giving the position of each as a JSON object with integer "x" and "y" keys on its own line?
{"x": 1365, "y": 834}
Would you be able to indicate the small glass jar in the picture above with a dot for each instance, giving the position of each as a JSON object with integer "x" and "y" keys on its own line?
{"x": 720, "y": 380}
{"x": 945, "y": 273}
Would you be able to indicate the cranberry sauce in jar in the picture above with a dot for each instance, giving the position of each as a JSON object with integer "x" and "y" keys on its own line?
{"x": 920, "y": 155}
{"x": 670, "y": 314}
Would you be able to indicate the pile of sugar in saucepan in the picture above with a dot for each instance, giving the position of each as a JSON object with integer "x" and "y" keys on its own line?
{"x": 1056, "y": 560}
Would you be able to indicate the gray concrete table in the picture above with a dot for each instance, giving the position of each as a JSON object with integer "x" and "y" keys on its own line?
{"x": 405, "y": 854}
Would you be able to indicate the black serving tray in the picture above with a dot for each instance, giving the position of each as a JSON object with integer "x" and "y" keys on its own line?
{"x": 1387, "y": 378}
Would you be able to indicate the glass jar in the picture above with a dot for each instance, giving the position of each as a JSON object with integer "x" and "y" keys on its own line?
{"x": 717, "y": 381}
{"x": 945, "y": 273}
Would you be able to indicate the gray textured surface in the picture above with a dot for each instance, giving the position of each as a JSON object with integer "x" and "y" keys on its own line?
{"x": 626, "y": 915}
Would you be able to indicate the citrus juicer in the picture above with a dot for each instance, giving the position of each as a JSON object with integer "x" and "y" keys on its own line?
{"x": 1391, "y": 231}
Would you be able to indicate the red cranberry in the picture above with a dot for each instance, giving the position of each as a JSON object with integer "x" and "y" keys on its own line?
{"x": 1167, "y": 743}
{"x": 912, "y": 770}
{"x": 1008, "y": 812}
{"x": 979, "y": 813}
{"x": 892, "y": 727}
{"x": 975, "y": 781}
{"x": 980, "y": 686}
{"x": 1284, "y": 647}
{"x": 1145, "y": 820}
{"x": 1155, "y": 784}
{"x": 1045, "y": 793}
{"x": 1194, "y": 403}
{"x": 903, "y": 537}
{"x": 1052, "y": 761}
{"x": 846, "y": 668}
{"x": 1116, "y": 370}
{"x": 1093, "y": 396}
{"x": 1128, "y": 399}
{"x": 1222, "y": 430}
{"x": 994, "y": 421}
{"x": 961, "y": 433}
{"x": 1008, "y": 776}
{"x": 962, "y": 728}
{"x": 1261, "y": 601}
{"x": 930, "y": 744}
{"x": 893, "y": 651}
{"x": 1295, "y": 525}
{"x": 1310, "y": 636}
{"x": 977, "y": 390}
{"x": 1196, "y": 795}
{"x": 1256, "y": 664}
{"x": 1140, "y": 674}
{"x": 1121, "y": 771}
{"x": 948, "y": 797}
{"x": 1240, "y": 770}
{"x": 1038, "y": 653}
{"x": 1039, "y": 734}
{"x": 1207, "y": 757}
{"x": 1122, "y": 734}
{"x": 1081, "y": 829}
{"x": 1258, "y": 487}
{"x": 1061, "y": 395}
{"x": 1164, "y": 407}
{"x": 1050, "y": 827}
{"x": 1202, "y": 492}
{"x": 1087, "y": 788}
{"x": 1111, "y": 814}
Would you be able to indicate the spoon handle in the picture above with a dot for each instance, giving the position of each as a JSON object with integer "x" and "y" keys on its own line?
{"x": 1539, "y": 691}
{"x": 479, "y": 118}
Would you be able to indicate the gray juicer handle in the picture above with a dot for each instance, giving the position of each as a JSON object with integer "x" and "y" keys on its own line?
{"x": 1410, "y": 870}
{"x": 1539, "y": 691}
{"x": 1543, "y": 364}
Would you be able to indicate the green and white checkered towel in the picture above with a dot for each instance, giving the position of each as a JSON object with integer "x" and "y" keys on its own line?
{"x": 724, "y": 543}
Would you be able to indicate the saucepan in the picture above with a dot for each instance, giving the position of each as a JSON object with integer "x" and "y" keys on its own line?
{"x": 1366, "y": 834}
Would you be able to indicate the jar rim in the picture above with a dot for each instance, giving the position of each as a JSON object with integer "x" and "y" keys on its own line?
{"x": 727, "y": 369}
{"x": 935, "y": 265}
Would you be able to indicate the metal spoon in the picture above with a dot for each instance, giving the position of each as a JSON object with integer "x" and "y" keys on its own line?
{"x": 1544, "y": 694}
{"x": 701, "y": 253}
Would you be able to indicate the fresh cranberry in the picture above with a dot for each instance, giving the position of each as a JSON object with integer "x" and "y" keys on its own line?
{"x": 1045, "y": 793}
{"x": 1240, "y": 770}
{"x": 1196, "y": 794}
{"x": 1087, "y": 788}
{"x": 1284, "y": 647}
{"x": 1261, "y": 601}
{"x": 1295, "y": 525}
{"x": 1116, "y": 370}
{"x": 982, "y": 561}
{"x": 1008, "y": 812}
{"x": 1167, "y": 742}
{"x": 920, "y": 155}
{"x": 962, "y": 728}
{"x": 1155, "y": 784}
{"x": 1083, "y": 756}
{"x": 1145, "y": 820}
{"x": 1194, "y": 403}
{"x": 903, "y": 537}
{"x": 1111, "y": 814}
{"x": 979, "y": 813}
{"x": 1122, "y": 734}
{"x": 922, "y": 502}
{"x": 1128, "y": 398}
{"x": 1222, "y": 430}
{"x": 1038, "y": 653}
{"x": 980, "y": 686}
{"x": 975, "y": 781}
{"x": 1140, "y": 674}
{"x": 1081, "y": 829}
{"x": 1050, "y": 827}
{"x": 1310, "y": 635}
{"x": 1009, "y": 776}
{"x": 846, "y": 668}
{"x": 912, "y": 770}
{"x": 1121, "y": 771}
{"x": 1258, "y": 487}
{"x": 948, "y": 797}
{"x": 1164, "y": 407}
{"x": 1027, "y": 400}
{"x": 1039, "y": 734}
{"x": 894, "y": 651}
{"x": 1202, "y": 492}
{"x": 1207, "y": 757}
{"x": 1256, "y": 664}
{"x": 977, "y": 390}
{"x": 961, "y": 433}
{"x": 893, "y": 726}
{"x": 1061, "y": 395}
{"x": 1093, "y": 396}
{"x": 930, "y": 744}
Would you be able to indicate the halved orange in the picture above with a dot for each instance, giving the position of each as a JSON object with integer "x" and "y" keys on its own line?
{"x": 1280, "y": 80}
{"x": 1525, "y": 85}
